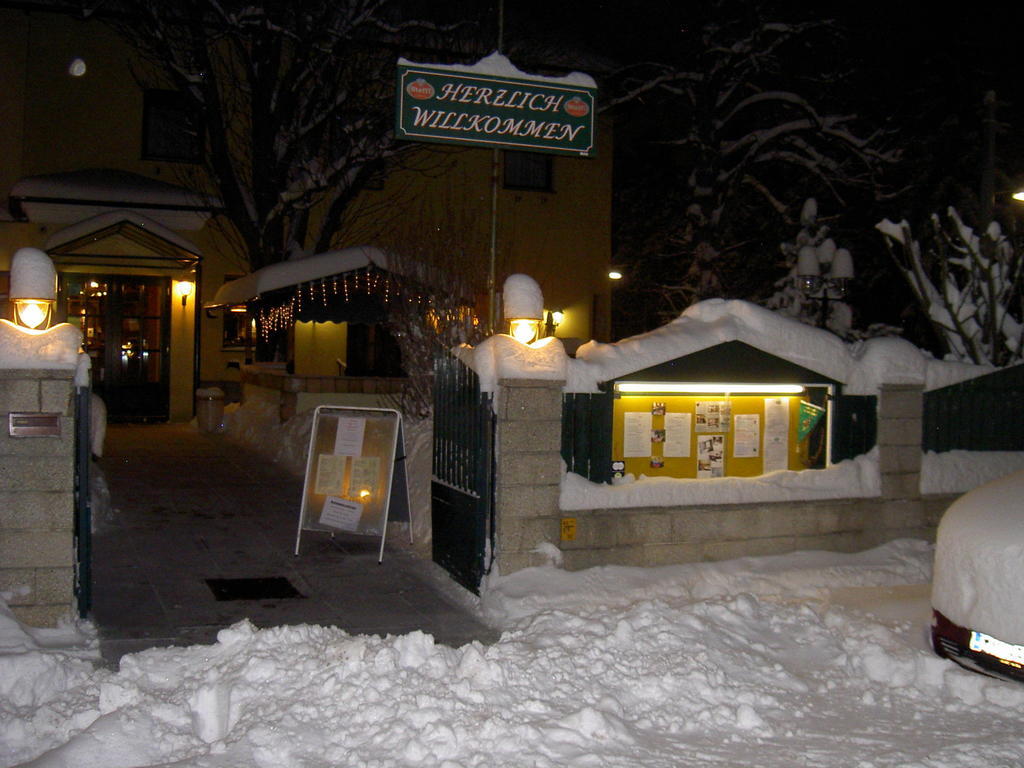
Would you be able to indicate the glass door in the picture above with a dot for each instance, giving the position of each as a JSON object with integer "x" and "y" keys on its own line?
{"x": 125, "y": 322}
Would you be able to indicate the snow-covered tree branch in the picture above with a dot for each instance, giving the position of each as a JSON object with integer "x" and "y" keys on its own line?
{"x": 294, "y": 102}
{"x": 968, "y": 285}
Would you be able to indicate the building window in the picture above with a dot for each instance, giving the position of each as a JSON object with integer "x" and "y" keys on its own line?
{"x": 528, "y": 170}
{"x": 170, "y": 128}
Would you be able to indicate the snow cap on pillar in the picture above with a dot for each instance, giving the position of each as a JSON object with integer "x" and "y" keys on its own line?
{"x": 521, "y": 298}
{"x": 33, "y": 275}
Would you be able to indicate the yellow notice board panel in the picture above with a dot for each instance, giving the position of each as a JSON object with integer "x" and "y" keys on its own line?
{"x": 351, "y": 479}
{"x": 703, "y": 436}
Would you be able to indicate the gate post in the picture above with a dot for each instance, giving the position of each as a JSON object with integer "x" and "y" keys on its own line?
{"x": 529, "y": 470}
{"x": 37, "y": 494}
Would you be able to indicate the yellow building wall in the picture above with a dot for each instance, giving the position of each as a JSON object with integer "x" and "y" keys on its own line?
{"x": 687, "y": 466}
{"x": 440, "y": 199}
{"x": 318, "y": 347}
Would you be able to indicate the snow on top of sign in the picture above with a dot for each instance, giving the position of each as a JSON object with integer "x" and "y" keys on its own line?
{"x": 21, "y": 349}
{"x": 500, "y": 66}
{"x": 862, "y": 367}
{"x": 287, "y": 273}
{"x": 978, "y": 556}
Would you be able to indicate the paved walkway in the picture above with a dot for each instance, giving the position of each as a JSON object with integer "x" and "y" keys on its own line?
{"x": 186, "y": 507}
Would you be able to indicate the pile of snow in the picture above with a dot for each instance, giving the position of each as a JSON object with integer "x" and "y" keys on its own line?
{"x": 960, "y": 471}
{"x": 501, "y": 66}
{"x": 502, "y": 357}
{"x": 854, "y": 478}
{"x": 764, "y": 661}
{"x": 55, "y": 348}
{"x": 978, "y": 559}
{"x": 862, "y": 367}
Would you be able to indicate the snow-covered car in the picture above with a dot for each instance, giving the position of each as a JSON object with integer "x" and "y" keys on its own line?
{"x": 978, "y": 583}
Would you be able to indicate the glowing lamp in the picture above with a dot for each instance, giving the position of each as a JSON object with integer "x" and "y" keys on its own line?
{"x": 523, "y": 307}
{"x": 33, "y": 288}
{"x": 696, "y": 388}
{"x": 183, "y": 289}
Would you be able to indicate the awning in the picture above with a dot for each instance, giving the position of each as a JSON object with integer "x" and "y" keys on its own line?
{"x": 285, "y": 274}
{"x": 122, "y": 239}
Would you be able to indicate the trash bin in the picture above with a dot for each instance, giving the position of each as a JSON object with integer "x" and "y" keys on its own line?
{"x": 210, "y": 409}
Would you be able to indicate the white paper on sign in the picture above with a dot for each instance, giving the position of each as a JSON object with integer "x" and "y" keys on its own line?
{"x": 340, "y": 513}
{"x": 330, "y": 474}
{"x": 677, "y": 435}
{"x": 348, "y": 439}
{"x": 776, "y": 434}
{"x": 636, "y": 436}
{"x": 747, "y": 435}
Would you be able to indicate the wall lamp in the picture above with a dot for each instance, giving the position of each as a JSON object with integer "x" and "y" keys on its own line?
{"x": 700, "y": 388}
{"x": 33, "y": 288}
{"x": 183, "y": 289}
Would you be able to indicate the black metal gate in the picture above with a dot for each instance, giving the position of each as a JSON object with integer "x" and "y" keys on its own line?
{"x": 83, "y": 500}
{"x": 462, "y": 483}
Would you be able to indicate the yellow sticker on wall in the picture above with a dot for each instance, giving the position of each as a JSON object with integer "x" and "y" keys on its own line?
{"x": 568, "y": 529}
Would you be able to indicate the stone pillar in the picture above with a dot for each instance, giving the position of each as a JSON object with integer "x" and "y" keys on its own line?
{"x": 900, "y": 408}
{"x": 37, "y": 507}
{"x": 529, "y": 469}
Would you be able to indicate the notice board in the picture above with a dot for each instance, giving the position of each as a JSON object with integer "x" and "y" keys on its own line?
{"x": 355, "y": 473}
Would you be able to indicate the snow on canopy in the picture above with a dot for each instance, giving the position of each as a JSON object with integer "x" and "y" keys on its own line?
{"x": 979, "y": 553}
{"x": 284, "y": 274}
{"x": 500, "y": 66}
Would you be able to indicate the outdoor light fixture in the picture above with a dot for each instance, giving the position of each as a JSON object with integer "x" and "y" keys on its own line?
{"x": 183, "y": 288}
{"x": 33, "y": 288}
{"x": 523, "y": 307}
{"x": 554, "y": 319}
{"x": 615, "y": 273}
{"x": 824, "y": 287}
{"x": 1019, "y": 196}
{"x": 701, "y": 388}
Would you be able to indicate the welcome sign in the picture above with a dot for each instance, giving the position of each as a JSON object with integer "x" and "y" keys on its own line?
{"x": 477, "y": 107}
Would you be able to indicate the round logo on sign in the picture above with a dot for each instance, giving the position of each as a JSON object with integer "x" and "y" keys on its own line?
{"x": 420, "y": 89}
{"x": 576, "y": 107}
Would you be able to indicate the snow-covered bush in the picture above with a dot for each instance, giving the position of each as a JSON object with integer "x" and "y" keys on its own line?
{"x": 969, "y": 286}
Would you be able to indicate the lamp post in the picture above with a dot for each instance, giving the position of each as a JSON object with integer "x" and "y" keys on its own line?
{"x": 823, "y": 274}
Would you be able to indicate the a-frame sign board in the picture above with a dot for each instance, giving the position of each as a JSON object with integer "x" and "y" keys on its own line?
{"x": 355, "y": 474}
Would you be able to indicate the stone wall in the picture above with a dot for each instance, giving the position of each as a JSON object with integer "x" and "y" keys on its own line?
{"x": 37, "y": 508}
{"x": 529, "y": 472}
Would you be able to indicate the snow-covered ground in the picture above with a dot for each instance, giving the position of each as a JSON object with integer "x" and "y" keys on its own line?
{"x": 810, "y": 659}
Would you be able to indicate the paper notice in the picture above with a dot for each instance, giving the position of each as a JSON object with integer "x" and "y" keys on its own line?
{"x": 776, "y": 433}
{"x": 636, "y": 437}
{"x": 340, "y": 513}
{"x": 330, "y": 473}
{"x": 365, "y": 471}
{"x": 348, "y": 439}
{"x": 747, "y": 436}
{"x": 677, "y": 435}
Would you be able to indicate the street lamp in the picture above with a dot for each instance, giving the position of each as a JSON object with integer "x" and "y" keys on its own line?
{"x": 824, "y": 273}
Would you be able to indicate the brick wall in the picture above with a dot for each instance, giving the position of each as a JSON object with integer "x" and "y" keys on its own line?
{"x": 529, "y": 473}
{"x": 37, "y": 498}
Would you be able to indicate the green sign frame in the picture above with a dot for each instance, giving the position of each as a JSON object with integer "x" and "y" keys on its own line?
{"x": 453, "y": 106}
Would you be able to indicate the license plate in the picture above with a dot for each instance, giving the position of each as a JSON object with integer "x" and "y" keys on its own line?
{"x": 983, "y": 643}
